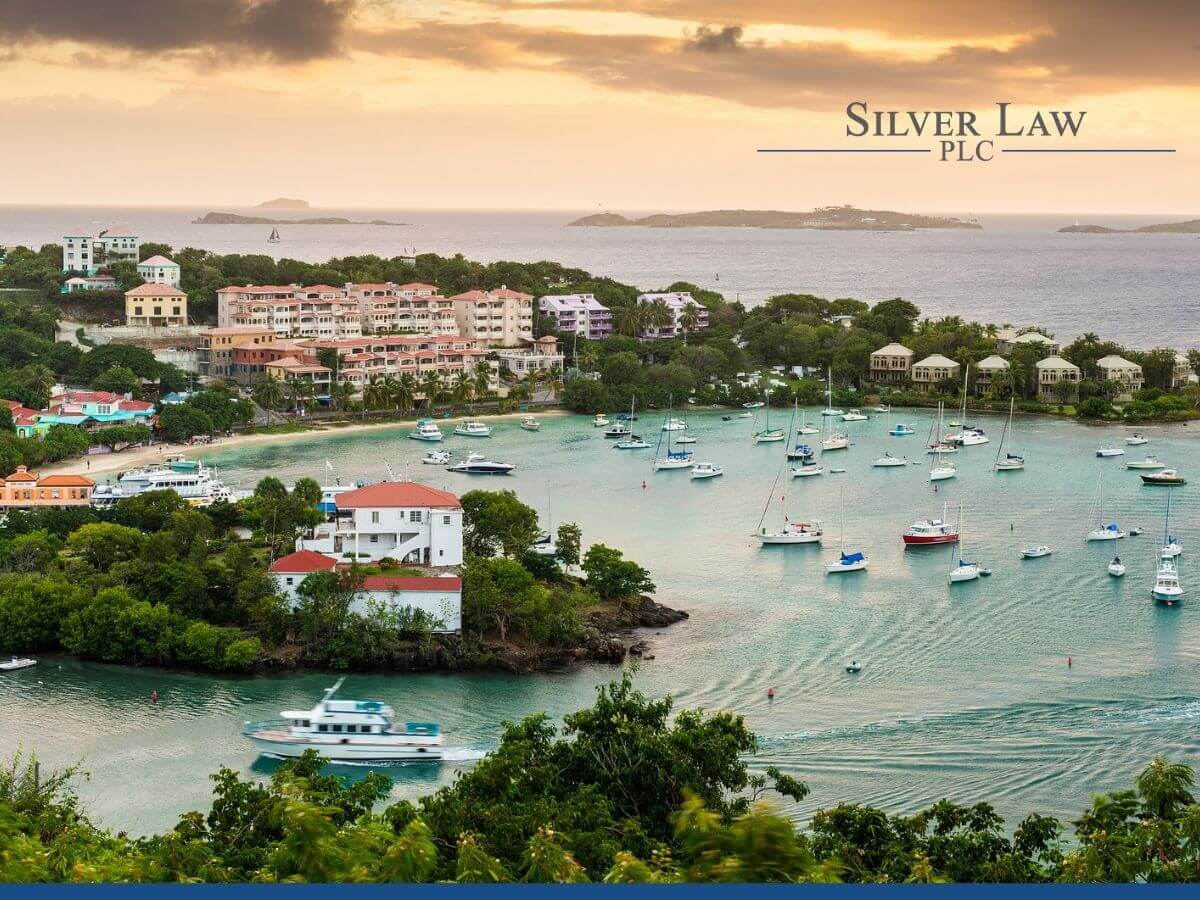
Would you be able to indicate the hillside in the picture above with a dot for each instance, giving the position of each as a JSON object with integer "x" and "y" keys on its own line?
{"x": 224, "y": 218}
{"x": 835, "y": 218}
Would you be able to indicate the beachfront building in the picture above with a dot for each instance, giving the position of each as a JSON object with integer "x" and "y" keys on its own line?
{"x": 1122, "y": 371}
{"x": 160, "y": 270}
{"x": 291, "y": 311}
{"x": 23, "y": 418}
{"x": 499, "y": 318}
{"x": 86, "y": 252}
{"x": 291, "y": 369}
{"x": 155, "y": 305}
{"x": 541, "y": 355}
{"x": 92, "y": 410}
{"x": 438, "y": 596}
{"x": 579, "y": 314}
{"x": 676, "y": 303}
{"x": 399, "y": 520}
{"x": 24, "y": 490}
{"x": 1051, "y": 371}
{"x": 932, "y": 369}
{"x": 1181, "y": 373}
{"x": 88, "y": 283}
{"x": 219, "y": 345}
{"x": 986, "y": 370}
{"x": 448, "y": 356}
{"x": 412, "y": 308}
{"x": 1007, "y": 339}
{"x": 891, "y": 364}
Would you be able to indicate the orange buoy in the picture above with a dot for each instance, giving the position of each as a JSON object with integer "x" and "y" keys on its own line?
{"x": 770, "y": 693}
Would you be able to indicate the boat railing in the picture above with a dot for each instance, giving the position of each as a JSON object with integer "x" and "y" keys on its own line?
{"x": 263, "y": 725}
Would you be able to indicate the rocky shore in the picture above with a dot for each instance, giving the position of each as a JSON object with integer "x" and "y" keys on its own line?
{"x": 614, "y": 637}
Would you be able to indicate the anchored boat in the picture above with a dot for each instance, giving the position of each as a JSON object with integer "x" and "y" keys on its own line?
{"x": 346, "y": 730}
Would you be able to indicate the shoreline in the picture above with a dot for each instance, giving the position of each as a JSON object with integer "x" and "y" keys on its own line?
{"x": 112, "y": 463}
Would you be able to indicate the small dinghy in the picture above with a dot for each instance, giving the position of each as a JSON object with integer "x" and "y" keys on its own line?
{"x": 985, "y": 571}
{"x": 1136, "y": 440}
{"x": 1036, "y": 552}
{"x": 685, "y": 439}
{"x": 17, "y": 662}
{"x": 1136, "y": 530}
{"x": 1105, "y": 452}
{"x": 854, "y": 667}
{"x": 1116, "y": 568}
{"x": 436, "y": 458}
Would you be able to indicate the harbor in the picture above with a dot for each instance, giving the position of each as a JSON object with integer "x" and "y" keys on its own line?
{"x": 965, "y": 689}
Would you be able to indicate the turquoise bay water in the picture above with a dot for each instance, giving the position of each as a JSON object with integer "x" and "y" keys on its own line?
{"x": 966, "y": 691}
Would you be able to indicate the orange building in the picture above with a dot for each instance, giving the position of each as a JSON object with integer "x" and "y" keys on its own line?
{"x": 24, "y": 489}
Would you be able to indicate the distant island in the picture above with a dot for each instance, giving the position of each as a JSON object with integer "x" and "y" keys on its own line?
{"x": 829, "y": 218}
{"x": 1191, "y": 226}
{"x": 283, "y": 203}
{"x": 224, "y": 218}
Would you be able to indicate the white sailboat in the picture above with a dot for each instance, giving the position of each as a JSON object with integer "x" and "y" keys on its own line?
{"x": 940, "y": 469}
{"x": 964, "y": 571}
{"x": 1104, "y": 532}
{"x": 675, "y": 459}
{"x": 1009, "y": 462}
{"x": 837, "y": 439}
{"x": 966, "y": 436}
{"x": 788, "y": 532}
{"x": 630, "y": 441}
{"x": 1171, "y": 547}
{"x": 767, "y": 434}
{"x": 855, "y": 561}
{"x": 274, "y": 237}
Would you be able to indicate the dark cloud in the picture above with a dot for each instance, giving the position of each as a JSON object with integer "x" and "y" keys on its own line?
{"x": 285, "y": 30}
{"x": 714, "y": 40}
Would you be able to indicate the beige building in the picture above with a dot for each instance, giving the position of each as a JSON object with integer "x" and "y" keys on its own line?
{"x": 932, "y": 369}
{"x": 155, "y": 305}
{"x": 535, "y": 356}
{"x": 985, "y": 371}
{"x": 1008, "y": 338}
{"x": 1181, "y": 374}
{"x": 218, "y": 346}
{"x": 499, "y": 318}
{"x": 1052, "y": 370}
{"x": 891, "y": 364}
{"x": 1119, "y": 369}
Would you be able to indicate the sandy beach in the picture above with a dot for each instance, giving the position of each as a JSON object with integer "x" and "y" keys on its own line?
{"x": 103, "y": 464}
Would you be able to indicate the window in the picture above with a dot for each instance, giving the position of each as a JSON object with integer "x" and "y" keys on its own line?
{"x": 374, "y": 539}
{"x": 322, "y": 728}
{"x": 336, "y": 729}
{"x": 445, "y": 520}
{"x": 290, "y": 581}
{"x": 414, "y": 515}
{"x": 375, "y": 517}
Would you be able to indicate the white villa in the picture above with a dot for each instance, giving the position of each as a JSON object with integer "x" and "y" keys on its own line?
{"x": 985, "y": 371}
{"x": 88, "y": 253}
{"x": 542, "y": 354}
{"x": 159, "y": 270}
{"x": 580, "y": 314}
{"x": 438, "y": 595}
{"x": 401, "y": 520}
{"x": 676, "y": 302}
{"x": 1007, "y": 339}
{"x": 1052, "y": 370}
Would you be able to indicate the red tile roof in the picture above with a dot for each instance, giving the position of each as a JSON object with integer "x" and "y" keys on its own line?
{"x": 410, "y": 583}
{"x": 66, "y": 481}
{"x": 404, "y": 494}
{"x": 304, "y": 562}
{"x": 22, "y": 474}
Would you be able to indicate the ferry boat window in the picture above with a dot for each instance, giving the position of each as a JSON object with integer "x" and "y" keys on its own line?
{"x": 322, "y": 728}
{"x": 337, "y": 729}
{"x": 306, "y": 723}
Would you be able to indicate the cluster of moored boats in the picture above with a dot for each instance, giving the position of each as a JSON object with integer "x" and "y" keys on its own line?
{"x": 427, "y": 430}
{"x": 673, "y": 450}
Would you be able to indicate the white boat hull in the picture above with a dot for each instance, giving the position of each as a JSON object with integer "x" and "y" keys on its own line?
{"x": 433, "y": 438}
{"x": 17, "y": 663}
{"x": 380, "y": 751}
{"x": 790, "y": 537}
{"x": 835, "y": 444}
{"x": 806, "y": 471}
{"x": 660, "y": 464}
{"x": 1170, "y": 597}
{"x": 1101, "y": 534}
{"x": 770, "y": 438}
{"x": 889, "y": 463}
{"x": 1116, "y": 570}
{"x": 840, "y": 569}
{"x": 942, "y": 474}
{"x": 964, "y": 573}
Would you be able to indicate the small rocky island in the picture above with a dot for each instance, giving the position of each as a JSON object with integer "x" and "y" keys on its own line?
{"x": 224, "y": 218}
{"x": 283, "y": 203}
{"x": 1191, "y": 226}
{"x": 825, "y": 218}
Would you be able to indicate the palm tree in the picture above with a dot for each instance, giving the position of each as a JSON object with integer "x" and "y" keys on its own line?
{"x": 553, "y": 381}
{"x": 269, "y": 395}
{"x": 631, "y": 320}
{"x": 300, "y": 391}
{"x": 689, "y": 321}
{"x": 431, "y": 387}
{"x": 483, "y": 378}
{"x": 463, "y": 389}
{"x": 1163, "y": 787}
{"x": 659, "y": 316}
{"x": 340, "y": 394}
{"x": 406, "y": 392}
{"x": 375, "y": 393}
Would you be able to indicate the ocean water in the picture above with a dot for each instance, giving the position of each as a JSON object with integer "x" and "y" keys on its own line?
{"x": 966, "y": 691}
{"x": 1137, "y": 289}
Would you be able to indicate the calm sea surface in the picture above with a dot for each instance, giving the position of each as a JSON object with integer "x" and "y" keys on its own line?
{"x": 1138, "y": 289}
{"x": 966, "y": 692}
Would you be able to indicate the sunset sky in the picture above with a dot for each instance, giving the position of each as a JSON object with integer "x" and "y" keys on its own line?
{"x": 586, "y": 104}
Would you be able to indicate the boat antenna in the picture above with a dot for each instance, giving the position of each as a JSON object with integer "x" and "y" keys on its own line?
{"x": 330, "y": 691}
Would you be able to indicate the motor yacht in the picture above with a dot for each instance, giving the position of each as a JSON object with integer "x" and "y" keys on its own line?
{"x": 346, "y": 730}
{"x": 426, "y": 430}
{"x": 706, "y": 470}
{"x": 930, "y": 531}
{"x": 529, "y": 423}
{"x": 1106, "y": 452}
{"x": 472, "y": 428}
{"x": 599, "y": 420}
{"x": 17, "y": 662}
{"x": 853, "y": 416}
{"x": 199, "y": 486}
{"x": 685, "y": 439}
{"x": 901, "y": 430}
{"x": 1166, "y": 476}
{"x": 478, "y": 464}
{"x": 1136, "y": 440}
{"x": 1036, "y": 552}
{"x": 1149, "y": 462}
{"x": 674, "y": 425}
{"x": 619, "y": 429}
{"x": 1167, "y": 589}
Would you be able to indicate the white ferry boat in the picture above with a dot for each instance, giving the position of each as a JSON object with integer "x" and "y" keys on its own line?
{"x": 473, "y": 428}
{"x": 426, "y": 430}
{"x": 346, "y": 730}
{"x": 198, "y": 486}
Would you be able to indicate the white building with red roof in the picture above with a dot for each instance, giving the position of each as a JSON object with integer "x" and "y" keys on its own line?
{"x": 159, "y": 270}
{"x": 413, "y": 308}
{"x": 438, "y": 596}
{"x": 290, "y": 311}
{"x": 401, "y": 520}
